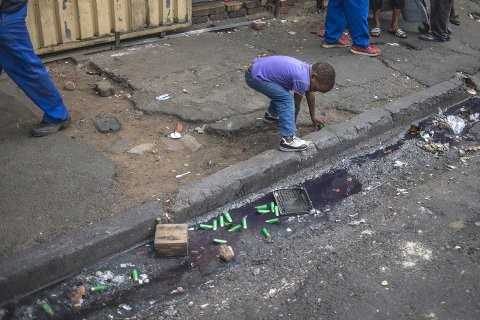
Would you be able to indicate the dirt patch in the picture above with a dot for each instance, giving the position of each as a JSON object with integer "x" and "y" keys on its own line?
{"x": 152, "y": 175}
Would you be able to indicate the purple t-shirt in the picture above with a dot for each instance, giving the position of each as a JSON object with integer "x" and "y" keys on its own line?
{"x": 290, "y": 73}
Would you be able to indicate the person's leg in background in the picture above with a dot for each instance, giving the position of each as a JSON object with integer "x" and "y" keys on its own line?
{"x": 439, "y": 16}
{"x": 335, "y": 24}
{"x": 377, "y": 6}
{"x": 397, "y": 7}
{"x": 19, "y": 61}
{"x": 356, "y": 13}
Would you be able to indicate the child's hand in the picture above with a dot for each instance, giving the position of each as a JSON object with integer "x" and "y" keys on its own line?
{"x": 319, "y": 122}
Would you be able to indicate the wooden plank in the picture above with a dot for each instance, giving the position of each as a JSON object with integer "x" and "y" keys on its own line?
{"x": 181, "y": 10}
{"x": 153, "y": 13}
{"x": 121, "y": 16}
{"x": 138, "y": 14}
{"x": 68, "y": 20}
{"x": 166, "y": 12}
{"x": 33, "y": 24}
{"x": 104, "y": 17}
{"x": 171, "y": 240}
{"x": 48, "y": 22}
{"x": 110, "y": 39}
{"x": 86, "y": 19}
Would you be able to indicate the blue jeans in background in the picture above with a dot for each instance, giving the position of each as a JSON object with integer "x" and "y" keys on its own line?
{"x": 282, "y": 103}
{"x": 353, "y": 13}
{"x": 26, "y": 69}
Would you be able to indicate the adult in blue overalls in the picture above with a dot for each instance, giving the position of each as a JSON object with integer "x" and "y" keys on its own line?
{"x": 20, "y": 62}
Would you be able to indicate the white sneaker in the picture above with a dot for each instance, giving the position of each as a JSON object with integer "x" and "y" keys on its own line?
{"x": 293, "y": 143}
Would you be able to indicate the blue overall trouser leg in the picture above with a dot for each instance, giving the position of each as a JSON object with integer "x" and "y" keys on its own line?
{"x": 353, "y": 13}
{"x": 26, "y": 69}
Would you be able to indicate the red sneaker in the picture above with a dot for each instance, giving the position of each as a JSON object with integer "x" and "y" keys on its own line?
{"x": 371, "y": 51}
{"x": 343, "y": 42}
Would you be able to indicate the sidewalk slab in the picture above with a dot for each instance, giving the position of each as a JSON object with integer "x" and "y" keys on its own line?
{"x": 204, "y": 75}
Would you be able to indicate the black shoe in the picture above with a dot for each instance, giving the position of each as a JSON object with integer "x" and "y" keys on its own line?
{"x": 268, "y": 118}
{"x": 293, "y": 143}
{"x": 47, "y": 128}
{"x": 434, "y": 37}
{"x": 455, "y": 20}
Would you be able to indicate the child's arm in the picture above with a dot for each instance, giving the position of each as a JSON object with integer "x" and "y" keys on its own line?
{"x": 317, "y": 121}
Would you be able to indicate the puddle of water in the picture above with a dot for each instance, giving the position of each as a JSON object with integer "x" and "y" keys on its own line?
{"x": 324, "y": 191}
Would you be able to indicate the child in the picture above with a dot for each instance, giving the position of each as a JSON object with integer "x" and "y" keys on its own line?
{"x": 277, "y": 77}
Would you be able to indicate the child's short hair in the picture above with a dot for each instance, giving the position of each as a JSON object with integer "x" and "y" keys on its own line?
{"x": 325, "y": 73}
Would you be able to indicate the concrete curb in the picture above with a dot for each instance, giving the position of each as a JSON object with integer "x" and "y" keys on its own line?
{"x": 40, "y": 267}
{"x": 268, "y": 167}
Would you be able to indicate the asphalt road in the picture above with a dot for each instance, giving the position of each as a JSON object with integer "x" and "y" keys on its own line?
{"x": 415, "y": 257}
{"x": 397, "y": 238}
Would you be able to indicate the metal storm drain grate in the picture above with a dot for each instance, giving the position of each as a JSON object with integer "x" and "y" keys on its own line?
{"x": 293, "y": 201}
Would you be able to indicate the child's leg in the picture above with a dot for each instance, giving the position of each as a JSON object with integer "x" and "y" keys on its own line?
{"x": 282, "y": 103}
{"x": 272, "y": 109}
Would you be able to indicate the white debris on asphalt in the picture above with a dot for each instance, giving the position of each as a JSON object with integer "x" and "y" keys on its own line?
{"x": 367, "y": 232}
{"x": 399, "y": 164}
{"x": 413, "y": 253}
{"x": 456, "y": 123}
{"x": 384, "y": 283}
{"x": 163, "y": 97}
{"x": 357, "y": 222}
{"x": 182, "y": 175}
{"x": 127, "y": 265}
{"x": 125, "y": 307}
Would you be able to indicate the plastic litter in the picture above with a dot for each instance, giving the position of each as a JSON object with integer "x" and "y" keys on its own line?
{"x": 163, "y": 97}
{"x": 175, "y": 135}
{"x": 125, "y": 307}
{"x": 135, "y": 275}
{"x": 98, "y": 288}
{"x": 46, "y": 308}
{"x": 474, "y": 117}
{"x": 273, "y": 221}
{"x": 456, "y": 124}
{"x": 265, "y": 233}
{"x": 205, "y": 226}
{"x": 105, "y": 276}
{"x": 127, "y": 265}
{"x": 183, "y": 175}
{"x": 235, "y": 228}
{"x": 357, "y": 222}
{"x": 425, "y": 136}
{"x": 399, "y": 164}
{"x": 244, "y": 223}
{"x": 227, "y": 217}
